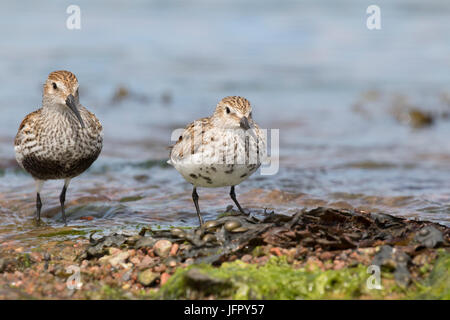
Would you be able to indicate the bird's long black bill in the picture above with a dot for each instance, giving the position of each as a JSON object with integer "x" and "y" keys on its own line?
{"x": 70, "y": 102}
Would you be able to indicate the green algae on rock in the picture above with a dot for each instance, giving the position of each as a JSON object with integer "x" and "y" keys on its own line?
{"x": 278, "y": 279}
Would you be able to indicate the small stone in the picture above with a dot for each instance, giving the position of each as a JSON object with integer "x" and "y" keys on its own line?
{"x": 429, "y": 237}
{"x": 174, "y": 249}
{"x": 246, "y": 258}
{"x": 162, "y": 248}
{"x": 231, "y": 225}
{"x": 135, "y": 260}
{"x": 262, "y": 260}
{"x": 127, "y": 275}
{"x": 145, "y": 242}
{"x": 276, "y": 251}
{"x": 326, "y": 256}
{"x": 146, "y": 262}
{"x": 209, "y": 238}
{"x": 115, "y": 260}
{"x": 171, "y": 262}
{"x": 240, "y": 229}
{"x": 147, "y": 277}
{"x": 178, "y": 233}
{"x": 338, "y": 265}
{"x": 211, "y": 224}
{"x": 113, "y": 251}
{"x": 164, "y": 277}
{"x": 36, "y": 257}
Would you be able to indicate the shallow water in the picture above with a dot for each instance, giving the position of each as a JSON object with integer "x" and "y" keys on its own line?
{"x": 311, "y": 69}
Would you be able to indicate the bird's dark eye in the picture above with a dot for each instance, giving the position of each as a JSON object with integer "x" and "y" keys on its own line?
{"x": 227, "y": 109}
{"x": 54, "y": 86}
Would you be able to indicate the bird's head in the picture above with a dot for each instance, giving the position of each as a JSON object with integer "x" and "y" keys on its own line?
{"x": 61, "y": 89}
{"x": 234, "y": 113}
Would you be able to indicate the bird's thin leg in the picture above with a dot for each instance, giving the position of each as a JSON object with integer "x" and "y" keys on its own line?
{"x": 62, "y": 199}
{"x": 195, "y": 198}
{"x": 38, "y": 207}
{"x": 39, "y": 184}
{"x": 233, "y": 196}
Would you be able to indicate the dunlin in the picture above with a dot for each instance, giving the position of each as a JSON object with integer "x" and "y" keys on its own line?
{"x": 60, "y": 140}
{"x": 221, "y": 150}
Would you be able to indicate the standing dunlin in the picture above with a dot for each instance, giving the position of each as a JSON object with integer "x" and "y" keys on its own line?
{"x": 60, "y": 140}
{"x": 221, "y": 150}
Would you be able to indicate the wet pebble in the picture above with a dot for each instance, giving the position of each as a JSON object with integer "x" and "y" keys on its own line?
{"x": 145, "y": 242}
{"x": 232, "y": 225}
{"x": 162, "y": 248}
{"x": 178, "y": 233}
{"x": 209, "y": 238}
{"x": 326, "y": 256}
{"x": 164, "y": 278}
{"x": 146, "y": 262}
{"x": 174, "y": 249}
{"x": 240, "y": 229}
{"x": 211, "y": 224}
{"x": 127, "y": 275}
{"x": 171, "y": 262}
{"x": 115, "y": 260}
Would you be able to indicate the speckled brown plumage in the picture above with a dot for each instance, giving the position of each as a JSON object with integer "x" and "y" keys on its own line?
{"x": 60, "y": 140}
{"x": 221, "y": 150}
{"x": 57, "y": 147}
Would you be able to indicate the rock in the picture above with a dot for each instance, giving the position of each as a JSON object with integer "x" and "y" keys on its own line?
{"x": 164, "y": 277}
{"x": 95, "y": 251}
{"x": 147, "y": 277}
{"x": 338, "y": 265}
{"x": 326, "y": 256}
{"x": 127, "y": 275}
{"x": 115, "y": 260}
{"x": 247, "y": 258}
{"x": 396, "y": 261}
{"x": 162, "y": 248}
{"x": 145, "y": 242}
{"x": 146, "y": 262}
{"x": 171, "y": 262}
{"x": 201, "y": 281}
{"x": 174, "y": 249}
{"x": 384, "y": 258}
{"x": 429, "y": 237}
{"x": 36, "y": 257}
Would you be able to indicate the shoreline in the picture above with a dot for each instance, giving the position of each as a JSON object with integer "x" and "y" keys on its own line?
{"x": 322, "y": 253}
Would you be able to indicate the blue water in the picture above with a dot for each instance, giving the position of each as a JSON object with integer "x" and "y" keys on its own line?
{"x": 310, "y": 68}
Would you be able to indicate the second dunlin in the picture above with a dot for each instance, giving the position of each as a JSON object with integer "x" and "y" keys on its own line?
{"x": 221, "y": 150}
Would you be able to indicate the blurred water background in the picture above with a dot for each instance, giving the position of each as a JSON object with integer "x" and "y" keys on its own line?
{"x": 363, "y": 114}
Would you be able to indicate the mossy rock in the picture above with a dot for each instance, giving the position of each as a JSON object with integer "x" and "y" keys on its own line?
{"x": 277, "y": 279}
